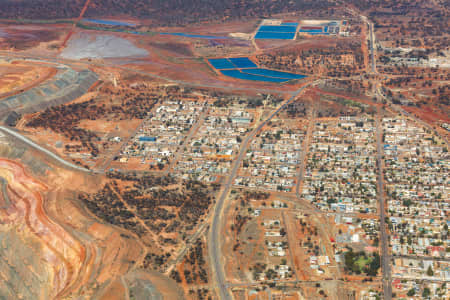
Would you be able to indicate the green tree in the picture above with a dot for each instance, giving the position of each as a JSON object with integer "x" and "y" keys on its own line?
{"x": 411, "y": 292}
{"x": 430, "y": 271}
{"x": 426, "y": 292}
{"x": 374, "y": 265}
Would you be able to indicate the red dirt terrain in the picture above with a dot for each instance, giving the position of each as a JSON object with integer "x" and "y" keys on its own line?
{"x": 428, "y": 114}
{"x": 23, "y": 37}
{"x": 61, "y": 254}
{"x": 19, "y": 76}
{"x": 56, "y": 247}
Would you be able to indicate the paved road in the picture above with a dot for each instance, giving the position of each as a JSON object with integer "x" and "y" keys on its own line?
{"x": 215, "y": 235}
{"x": 371, "y": 44}
{"x": 104, "y": 168}
{"x": 49, "y": 59}
{"x": 43, "y": 150}
{"x": 295, "y": 282}
{"x": 372, "y": 47}
{"x": 304, "y": 151}
{"x": 384, "y": 239}
{"x": 291, "y": 243}
{"x": 188, "y": 245}
{"x": 435, "y": 258}
{"x": 192, "y": 131}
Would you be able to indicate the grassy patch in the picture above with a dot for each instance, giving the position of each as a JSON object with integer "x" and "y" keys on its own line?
{"x": 361, "y": 262}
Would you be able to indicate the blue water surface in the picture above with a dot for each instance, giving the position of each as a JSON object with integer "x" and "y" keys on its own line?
{"x": 273, "y": 73}
{"x": 239, "y": 75}
{"x": 109, "y": 22}
{"x": 221, "y": 63}
{"x": 275, "y": 35}
{"x": 276, "y": 28}
{"x": 311, "y": 30}
{"x": 242, "y": 62}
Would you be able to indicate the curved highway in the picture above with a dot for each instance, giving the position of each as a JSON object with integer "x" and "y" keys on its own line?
{"x": 214, "y": 244}
{"x": 41, "y": 149}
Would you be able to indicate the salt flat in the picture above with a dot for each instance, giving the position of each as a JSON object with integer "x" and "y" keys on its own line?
{"x": 85, "y": 45}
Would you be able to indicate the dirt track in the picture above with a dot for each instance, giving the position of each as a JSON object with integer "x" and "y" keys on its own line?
{"x": 22, "y": 84}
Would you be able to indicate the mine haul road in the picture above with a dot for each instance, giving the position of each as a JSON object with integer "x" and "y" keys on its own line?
{"x": 32, "y": 144}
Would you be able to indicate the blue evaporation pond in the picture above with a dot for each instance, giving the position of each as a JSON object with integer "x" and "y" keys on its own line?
{"x": 197, "y": 36}
{"x": 275, "y": 28}
{"x": 310, "y": 30}
{"x": 242, "y": 62}
{"x": 290, "y": 24}
{"x": 130, "y": 31}
{"x": 109, "y": 22}
{"x": 275, "y": 35}
{"x": 239, "y": 75}
{"x": 136, "y": 32}
{"x": 221, "y": 63}
{"x": 273, "y": 73}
